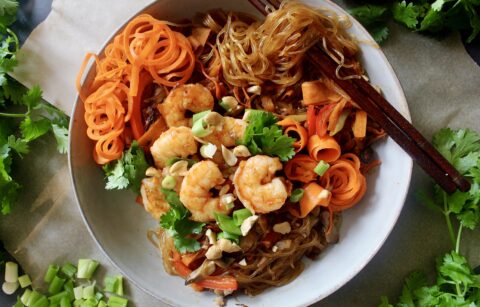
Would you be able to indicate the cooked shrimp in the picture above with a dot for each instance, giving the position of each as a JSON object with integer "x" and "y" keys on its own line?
{"x": 229, "y": 133}
{"x": 191, "y": 97}
{"x": 152, "y": 197}
{"x": 257, "y": 188}
{"x": 195, "y": 191}
{"x": 175, "y": 142}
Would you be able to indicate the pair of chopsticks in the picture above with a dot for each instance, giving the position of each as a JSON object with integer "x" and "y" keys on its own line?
{"x": 380, "y": 110}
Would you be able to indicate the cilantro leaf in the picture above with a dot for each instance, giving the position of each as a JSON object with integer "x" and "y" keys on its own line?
{"x": 33, "y": 97}
{"x": 379, "y": 33}
{"x": 61, "y": 136}
{"x": 128, "y": 171}
{"x": 263, "y": 135}
{"x": 406, "y": 14}
{"x": 19, "y": 145}
{"x": 8, "y": 187}
{"x": 8, "y": 11}
{"x": 369, "y": 14}
{"x": 455, "y": 268}
{"x": 32, "y": 130}
{"x": 178, "y": 224}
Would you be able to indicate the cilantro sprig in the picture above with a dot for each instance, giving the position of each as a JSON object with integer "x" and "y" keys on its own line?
{"x": 24, "y": 116}
{"x": 456, "y": 283}
{"x": 264, "y": 136}
{"x": 128, "y": 171}
{"x": 428, "y": 16}
{"x": 176, "y": 221}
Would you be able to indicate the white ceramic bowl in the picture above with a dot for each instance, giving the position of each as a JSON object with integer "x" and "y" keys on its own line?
{"x": 119, "y": 225}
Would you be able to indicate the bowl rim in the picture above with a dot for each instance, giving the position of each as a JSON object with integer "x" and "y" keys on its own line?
{"x": 403, "y": 109}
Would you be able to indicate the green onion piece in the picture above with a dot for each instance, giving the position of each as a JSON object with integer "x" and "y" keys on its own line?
{"x": 199, "y": 129}
{"x": 116, "y": 301}
{"x": 89, "y": 292}
{"x": 26, "y": 296}
{"x": 24, "y": 281}
{"x": 91, "y": 302}
{"x": 102, "y": 304}
{"x": 69, "y": 270}
{"x": 196, "y": 117}
{"x": 56, "y": 285}
{"x": 229, "y": 236}
{"x": 41, "y": 302}
{"x": 114, "y": 284}
{"x": 18, "y": 303}
{"x": 240, "y": 215}
{"x": 78, "y": 303}
{"x": 51, "y": 273}
{"x": 65, "y": 302}
{"x": 33, "y": 298}
{"x": 169, "y": 182}
{"x": 55, "y": 299}
{"x": 297, "y": 194}
{"x": 78, "y": 292}
{"x": 321, "y": 168}
{"x": 340, "y": 122}
{"x": 99, "y": 296}
{"x": 111, "y": 284}
{"x": 68, "y": 286}
{"x": 86, "y": 268}
{"x": 11, "y": 272}
{"x": 227, "y": 224}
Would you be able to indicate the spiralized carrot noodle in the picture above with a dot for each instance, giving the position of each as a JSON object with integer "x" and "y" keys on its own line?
{"x": 346, "y": 182}
{"x": 323, "y": 148}
{"x": 300, "y": 168}
{"x": 146, "y": 44}
{"x": 300, "y": 133}
{"x": 320, "y": 92}
{"x": 359, "y": 126}
{"x": 314, "y": 195}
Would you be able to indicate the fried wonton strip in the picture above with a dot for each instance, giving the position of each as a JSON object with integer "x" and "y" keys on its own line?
{"x": 359, "y": 126}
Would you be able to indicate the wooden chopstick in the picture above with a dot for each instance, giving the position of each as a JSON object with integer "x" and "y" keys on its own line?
{"x": 379, "y": 109}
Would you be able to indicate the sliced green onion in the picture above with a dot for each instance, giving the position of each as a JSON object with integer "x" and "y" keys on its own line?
{"x": 65, "y": 302}
{"x": 321, "y": 168}
{"x": 55, "y": 299}
{"x": 78, "y": 303}
{"x": 89, "y": 292}
{"x": 102, "y": 304}
{"x": 24, "y": 281}
{"x": 116, "y": 301}
{"x": 11, "y": 272}
{"x": 200, "y": 130}
{"x": 91, "y": 302}
{"x": 114, "y": 284}
{"x": 197, "y": 116}
{"x": 18, "y": 303}
{"x": 26, "y": 296}
{"x": 340, "y": 122}
{"x": 68, "y": 286}
{"x": 86, "y": 268}
{"x": 41, "y": 302}
{"x": 69, "y": 270}
{"x": 297, "y": 194}
{"x": 169, "y": 182}
{"x": 120, "y": 285}
{"x": 99, "y": 296}
{"x": 33, "y": 298}
{"x": 227, "y": 224}
{"x": 56, "y": 285}
{"x": 229, "y": 236}
{"x": 9, "y": 287}
{"x": 51, "y": 273}
{"x": 240, "y": 215}
{"x": 78, "y": 292}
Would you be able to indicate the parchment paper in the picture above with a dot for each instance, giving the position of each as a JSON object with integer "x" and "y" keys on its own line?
{"x": 440, "y": 82}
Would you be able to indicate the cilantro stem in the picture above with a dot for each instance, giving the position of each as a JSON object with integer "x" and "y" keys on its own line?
{"x": 12, "y": 114}
{"x": 446, "y": 212}
{"x": 459, "y": 235}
